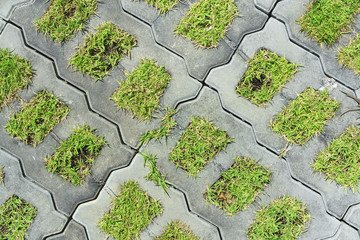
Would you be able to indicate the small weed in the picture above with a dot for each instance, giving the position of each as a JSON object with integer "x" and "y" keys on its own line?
{"x": 266, "y": 75}
{"x": 154, "y": 175}
{"x": 103, "y": 50}
{"x": 65, "y": 17}
{"x": 207, "y": 21}
{"x": 16, "y": 215}
{"x": 305, "y": 116}
{"x": 198, "y": 145}
{"x": 238, "y": 186}
{"x": 15, "y": 74}
{"x": 284, "y": 218}
{"x": 178, "y": 231}
{"x": 37, "y": 118}
{"x": 130, "y": 213}
{"x": 75, "y": 156}
{"x": 164, "y": 6}
{"x": 2, "y": 174}
{"x": 349, "y": 56}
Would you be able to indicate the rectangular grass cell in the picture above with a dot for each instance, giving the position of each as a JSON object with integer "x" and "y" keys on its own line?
{"x": 238, "y": 186}
{"x": 207, "y": 21}
{"x": 131, "y": 212}
{"x": 349, "y": 56}
{"x": 103, "y": 50}
{"x": 37, "y": 118}
{"x": 305, "y": 116}
{"x": 163, "y": 6}
{"x": 15, "y": 74}
{"x": 198, "y": 145}
{"x": 177, "y": 230}
{"x": 16, "y": 215}
{"x": 65, "y": 17}
{"x": 75, "y": 156}
{"x": 266, "y": 74}
{"x": 140, "y": 93}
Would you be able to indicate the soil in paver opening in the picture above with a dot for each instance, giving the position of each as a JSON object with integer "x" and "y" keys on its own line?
{"x": 16, "y": 215}
{"x": 178, "y": 231}
{"x": 164, "y": 6}
{"x": 349, "y": 56}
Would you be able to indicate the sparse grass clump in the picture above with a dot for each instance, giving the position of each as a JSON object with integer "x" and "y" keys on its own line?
{"x": 207, "y": 21}
{"x": 103, "y": 50}
{"x": 305, "y": 116}
{"x": 130, "y": 213}
{"x": 349, "y": 56}
{"x": 177, "y": 230}
{"x": 198, "y": 145}
{"x": 65, "y": 17}
{"x": 164, "y": 6}
{"x": 284, "y": 218}
{"x": 15, "y": 74}
{"x": 341, "y": 160}
{"x": 326, "y": 20}
{"x": 16, "y": 215}
{"x": 75, "y": 156}
{"x": 2, "y": 174}
{"x": 140, "y": 93}
{"x": 238, "y": 186}
{"x": 37, "y": 118}
{"x": 154, "y": 175}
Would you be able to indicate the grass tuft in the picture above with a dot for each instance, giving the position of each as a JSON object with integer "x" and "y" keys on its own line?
{"x": 163, "y": 6}
{"x": 2, "y": 174}
{"x": 349, "y": 56}
{"x": 16, "y": 215}
{"x": 37, "y": 118}
{"x": 305, "y": 116}
{"x": 75, "y": 156}
{"x": 155, "y": 175}
{"x": 178, "y": 231}
{"x": 130, "y": 213}
{"x": 103, "y": 50}
{"x": 15, "y": 74}
{"x": 65, "y": 17}
{"x": 207, "y": 21}
{"x": 284, "y": 218}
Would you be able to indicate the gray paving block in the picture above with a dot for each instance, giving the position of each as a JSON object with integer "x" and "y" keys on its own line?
{"x": 180, "y": 88}
{"x": 114, "y": 155}
{"x": 208, "y": 105}
{"x": 289, "y": 12}
{"x": 345, "y": 232}
{"x": 265, "y": 5}
{"x": 73, "y": 231}
{"x": 2, "y": 25}
{"x": 173, "y": 204}
{"x": 8, "y": 6}
{"x": 47, "y": 221}
{"x": 353, "y": 216}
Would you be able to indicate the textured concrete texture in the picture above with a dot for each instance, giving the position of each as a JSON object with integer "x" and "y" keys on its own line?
{"x": 265, "y": 5}
{"x": 345, "y": 232}
{"x": 8, "y": 6}
{"x": 73, "y": 231}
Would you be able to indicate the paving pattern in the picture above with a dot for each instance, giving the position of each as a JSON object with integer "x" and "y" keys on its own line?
{"x": 203, "y": 84}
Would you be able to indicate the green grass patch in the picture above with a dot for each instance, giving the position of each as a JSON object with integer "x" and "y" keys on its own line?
{"x": 207, "y": 21}
{"x": 103, "y": 50}
{"x": 140, "y": 93}
{"x": 130, "y": 213}
{"x": 15, "y": 74}
{"x": 341, "y": 161}
{"x": 65, "y": 17}
{"x": 2, "y": 174}
{"x": 163, "y": 6}
{"x": 37, "y": 118}
{"x": 155, "y": 175}
{"x": 178, "y": 231}
{"x": 305, "y": 116}
{"x": 198, "y": 145}
{"x": 16, "y": 215}
{"x": 238, "y": 186}
{"x": 284, "y": 218}
{"x": 349, "y": 56}
{"x": 75, "y": 156}
{"x": 266, "y": 74}
{"x": 326, "y": 20}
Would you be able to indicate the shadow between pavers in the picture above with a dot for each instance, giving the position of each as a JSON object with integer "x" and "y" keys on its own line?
{"x": 289, "y": 12}
{"x": 265, "y": 5}
{"x": 180, "y": 88}
{"x": 353, "y": 216}
{"x": 345, "y": 232}
{"x": 73, "y": 231}
{"x": 114, "y": 155}
{"x": 208, "y": 105}
{"x": 173, "y": 204}
{"x": 8, "y": 6}
{"x": 2, "y": 25}
{"x": 47, "y": 221}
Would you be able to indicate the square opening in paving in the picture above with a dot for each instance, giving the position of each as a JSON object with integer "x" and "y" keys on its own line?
{"x": 349, "y": 56}
{"x": 163, "y": 6}
{"x": 177, "y": 230}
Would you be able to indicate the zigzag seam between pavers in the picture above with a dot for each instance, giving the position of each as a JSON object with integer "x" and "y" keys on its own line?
{"x": 73, "y": 230}
{"x": 8, "y": 7}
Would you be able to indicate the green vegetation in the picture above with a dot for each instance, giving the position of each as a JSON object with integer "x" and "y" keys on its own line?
{"x": 326, "y": 20}
{"x": 154, "y": 175}
{"x": 266, "y": 75}
{"x": 140, "y": 93}
{"x": 37, "y": 118}
{"x": 74, "y": 157}
{"x": 103, "y": 50}
{"x": 349, "y": 56}
{"x": 164, "y": 6}
{"x": 130, "y": 213}
{"x": 238, "y": 186}
{"x": 305, "y": 116}
{"x": 198, "y": 145}
{"x": 65, "y": 17}
{"x": 16, "y": 216}
{"x": 178, "y": 231}
{"x": 341, "y": 161}
{"x": 284, "y": 218}
{"x": 15, "y": 74}
{"x": 207, "y": 21}
{"x": 2, "y": 174}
